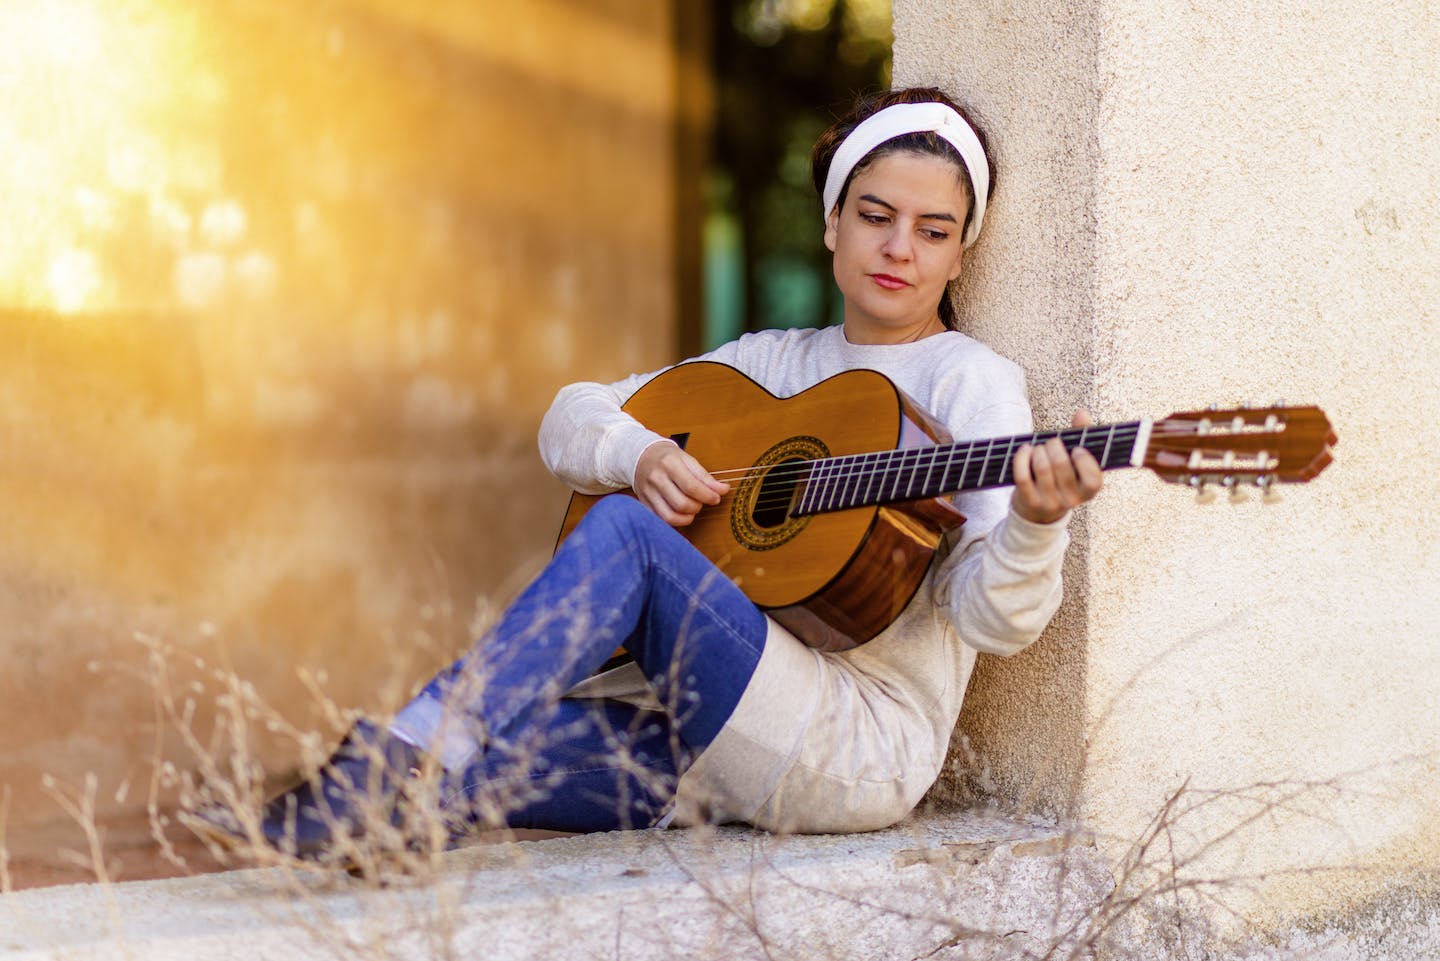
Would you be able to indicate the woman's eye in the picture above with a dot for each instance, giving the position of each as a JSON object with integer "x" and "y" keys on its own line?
{"x": 874, "y": 218}
{"x": 936, "y": 235}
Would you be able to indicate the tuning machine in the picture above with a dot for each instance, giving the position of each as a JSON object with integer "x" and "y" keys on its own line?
{"x": 1268, "y": 495}
{"x": 1238, "y": 493}
{"x": 1204, "y": 493}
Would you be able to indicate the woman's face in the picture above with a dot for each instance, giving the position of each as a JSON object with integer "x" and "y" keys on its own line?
{"x": 896, "y": 240}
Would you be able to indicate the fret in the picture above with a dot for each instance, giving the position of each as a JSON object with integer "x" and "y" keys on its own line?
{"x": 1006, "y": 474}
{"x": 998, "y": 461}
{"x": 916, "y": 486}
{"x": 826, "y": 495}
{"x": 814, "y": 488}
{"x": 959, "y": 481}
{"x": 904, "y": 471}
{"x": 822, "y": 485}
{"x": 985, "y": 464}
{"x": 874, "y": 479}
{"x": 895, "y": 473}
{"x": 833, "y": 470}
{"x": 847, "y": 480}
{"x": 933, "y": 456}
{"x": 848, "y": 477}
{"x": 965, "y": 468}
{"x": 807, "y": 480}
{"x": 860, "y": 479}
{"x": 892, "y": 476}
{"x": 835, "y": 483}
{"x": 852, "y": 478}
{"x": 882, "y": 469}
{"x": 950, "y": 450}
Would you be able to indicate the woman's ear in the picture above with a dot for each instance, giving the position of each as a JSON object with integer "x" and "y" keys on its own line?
{"x": 832, "y": 224}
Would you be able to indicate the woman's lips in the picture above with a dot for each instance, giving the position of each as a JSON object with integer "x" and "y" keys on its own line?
{"x": 888, "y": 282}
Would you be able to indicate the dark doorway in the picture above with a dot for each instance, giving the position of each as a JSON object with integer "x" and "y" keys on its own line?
{"x": 782, "y": 71}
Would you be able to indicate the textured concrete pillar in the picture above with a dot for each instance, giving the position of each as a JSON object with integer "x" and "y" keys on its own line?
{"x": 1206, "y": 203}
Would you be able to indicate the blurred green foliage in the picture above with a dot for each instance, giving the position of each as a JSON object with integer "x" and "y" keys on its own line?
{"x": 784, "y": 69}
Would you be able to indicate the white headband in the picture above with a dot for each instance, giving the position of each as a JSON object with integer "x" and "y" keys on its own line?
{"x": 898, "y": 120}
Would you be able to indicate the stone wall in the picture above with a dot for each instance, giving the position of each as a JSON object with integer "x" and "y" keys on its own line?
{"x": 1209, "y": 204}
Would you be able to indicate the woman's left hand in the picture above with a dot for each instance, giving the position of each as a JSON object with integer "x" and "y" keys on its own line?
{"x": 1049, "y": 482}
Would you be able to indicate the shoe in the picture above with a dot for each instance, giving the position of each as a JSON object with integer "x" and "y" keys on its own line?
{"x": 358, "y": 789}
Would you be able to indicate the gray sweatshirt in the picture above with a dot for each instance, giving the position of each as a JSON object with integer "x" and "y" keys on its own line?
{"x": 849, "y": 741}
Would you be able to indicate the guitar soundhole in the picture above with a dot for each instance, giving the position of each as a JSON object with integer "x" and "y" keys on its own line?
{"x": 760, "y": 518}
{"x": 777, "y": 493}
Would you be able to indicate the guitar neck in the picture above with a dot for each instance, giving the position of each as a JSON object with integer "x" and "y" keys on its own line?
{"x": 917, "y": 473}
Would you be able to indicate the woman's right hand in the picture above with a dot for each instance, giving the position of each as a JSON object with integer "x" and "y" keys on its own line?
{"x": 673, "y": 484}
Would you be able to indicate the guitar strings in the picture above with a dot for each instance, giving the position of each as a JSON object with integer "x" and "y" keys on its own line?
{"x": 847, "y": 465}
{"x": 1002, "y": 449}
{"x": 999, "y": 450}
{"x": 880, "y": 468}
{"x": 887, "y": 467}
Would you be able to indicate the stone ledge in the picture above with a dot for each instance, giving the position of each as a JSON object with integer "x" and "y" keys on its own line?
{"x": 959, "y": 885}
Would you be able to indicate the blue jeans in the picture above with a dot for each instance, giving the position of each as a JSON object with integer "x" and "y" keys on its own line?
{"x": 518, "y": 753}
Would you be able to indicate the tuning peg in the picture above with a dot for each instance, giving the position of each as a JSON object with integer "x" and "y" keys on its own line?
{"x": 1203, "y": 493}
{"x": 1270, "y": 495}
{"x": 1238, "y": 494}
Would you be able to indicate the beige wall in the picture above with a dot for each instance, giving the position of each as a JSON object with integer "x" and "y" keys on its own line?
{"x": 284, "y": 289}
{"x": 1221, "y": 203}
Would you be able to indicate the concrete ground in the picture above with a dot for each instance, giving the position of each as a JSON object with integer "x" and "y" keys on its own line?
{"x": 959, "y": 886}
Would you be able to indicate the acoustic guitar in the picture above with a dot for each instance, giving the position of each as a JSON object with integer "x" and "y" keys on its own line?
{"x": 839, "y": 495}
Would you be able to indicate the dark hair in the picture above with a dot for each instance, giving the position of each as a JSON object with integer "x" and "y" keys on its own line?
{"x": 925, "y": 143}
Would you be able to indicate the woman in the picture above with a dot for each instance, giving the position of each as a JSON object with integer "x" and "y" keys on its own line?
{"x": 725, "y": 716}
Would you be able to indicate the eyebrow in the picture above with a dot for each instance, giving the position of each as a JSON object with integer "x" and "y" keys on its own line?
{"x": 876, "y": 200}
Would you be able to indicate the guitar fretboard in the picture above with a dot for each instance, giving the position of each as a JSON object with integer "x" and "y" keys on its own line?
{"x": 917, "y": 473}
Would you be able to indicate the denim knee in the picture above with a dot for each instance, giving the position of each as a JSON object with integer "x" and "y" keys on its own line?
{"x": 621, "y": 514}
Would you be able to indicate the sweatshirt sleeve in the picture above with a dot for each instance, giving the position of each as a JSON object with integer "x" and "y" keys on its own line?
{"x": 1000, "y": 584}
{"x": 588, "y": 442}
{"x": 1003, "y": 588}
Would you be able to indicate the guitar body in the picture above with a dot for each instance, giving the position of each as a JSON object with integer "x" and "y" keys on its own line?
{"x": 833, "y": 579}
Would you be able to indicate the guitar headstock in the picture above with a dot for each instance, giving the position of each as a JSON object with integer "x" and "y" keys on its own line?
{"x": 1262, "y": 446}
